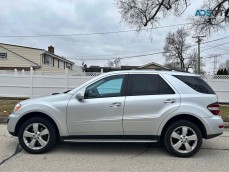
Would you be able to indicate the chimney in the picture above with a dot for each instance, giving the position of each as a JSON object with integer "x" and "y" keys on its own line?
{"x": 51, "y": 49}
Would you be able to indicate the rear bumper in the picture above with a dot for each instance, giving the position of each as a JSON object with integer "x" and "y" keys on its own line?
{"x": 213, "y": 135}
{"x": 212, "y": 126}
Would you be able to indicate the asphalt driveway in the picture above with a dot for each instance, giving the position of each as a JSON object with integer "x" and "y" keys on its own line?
{"x": 214, "y": 156}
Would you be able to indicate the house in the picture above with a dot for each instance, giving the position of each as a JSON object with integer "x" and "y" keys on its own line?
{"x": 149, "y": 66}
{"x": 21, "y": 57}
{"x": 154, "y": 66}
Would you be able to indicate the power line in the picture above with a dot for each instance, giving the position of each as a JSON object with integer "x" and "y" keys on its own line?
{"x": 140, "y": 55}
{"x": 215, "y": 46}
{"x": 223, "y": 48}
{"x": 122, "y": 54}
{"x": 87, "y": 34}
{"x": 206, "y": 42}
{"x": 211, "y": 56}
{"x": 160, "y": 51}
{"x": 118, "y": 55}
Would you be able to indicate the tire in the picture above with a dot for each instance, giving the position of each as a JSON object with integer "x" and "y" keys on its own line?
{"x": 37, "y": 135}
{"x": 182, "y": 138}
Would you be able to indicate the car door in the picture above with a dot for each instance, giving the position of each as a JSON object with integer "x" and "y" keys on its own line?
{"x": 101, "y": 110}
{"x": 149, "y": 99}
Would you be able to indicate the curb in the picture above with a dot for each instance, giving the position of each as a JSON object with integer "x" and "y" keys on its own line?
{"x": 3, "y": 119}
{"x": 226, "y": 124}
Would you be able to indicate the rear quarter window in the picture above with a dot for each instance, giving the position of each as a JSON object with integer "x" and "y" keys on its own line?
{"x": 196, "y": 83}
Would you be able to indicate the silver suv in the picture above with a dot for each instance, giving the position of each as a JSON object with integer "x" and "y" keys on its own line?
{"x": 176, "y": 108}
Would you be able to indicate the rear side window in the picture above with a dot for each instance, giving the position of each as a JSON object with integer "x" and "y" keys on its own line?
{"x": 148, "y": 85}
{"x": 196, "y": 83}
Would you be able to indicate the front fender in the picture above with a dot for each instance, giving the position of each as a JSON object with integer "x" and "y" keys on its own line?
{"x": 57, "y": 114}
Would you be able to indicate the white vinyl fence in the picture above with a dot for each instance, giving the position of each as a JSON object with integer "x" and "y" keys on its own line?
{"x": 220, "y": 84}
{"x": 34, "y": 84}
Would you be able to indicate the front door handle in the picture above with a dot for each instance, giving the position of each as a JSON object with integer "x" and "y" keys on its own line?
{"x": 116, "y": 104}
{"x": 170, "y": 101}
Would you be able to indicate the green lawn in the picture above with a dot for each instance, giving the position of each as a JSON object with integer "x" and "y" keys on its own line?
{"x": 7, "y": 106}
{"x": 224, "y": 112}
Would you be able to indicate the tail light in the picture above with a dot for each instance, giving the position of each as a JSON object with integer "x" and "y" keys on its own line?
{"x": 221, "y": 126}
{"x": 214, "y": 108}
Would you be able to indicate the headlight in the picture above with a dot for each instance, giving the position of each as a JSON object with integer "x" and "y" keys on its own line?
{"x": 17, "y": 107}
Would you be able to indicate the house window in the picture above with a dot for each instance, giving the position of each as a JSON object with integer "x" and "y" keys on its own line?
{"x": 61, "y": 64}
{"x": 68, "y": 66}
{"x": 48, "y": 60}
{"x": 3, "y": 55}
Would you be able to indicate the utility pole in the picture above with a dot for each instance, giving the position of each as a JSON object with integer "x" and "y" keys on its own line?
{"x": 199, "y": 40}
{"x": 215, "y": 62}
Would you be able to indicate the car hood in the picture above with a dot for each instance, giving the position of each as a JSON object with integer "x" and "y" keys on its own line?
{"x": 46, "y": 99}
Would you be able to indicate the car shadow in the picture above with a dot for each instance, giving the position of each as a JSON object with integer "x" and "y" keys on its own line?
{"x": 107, "y": 148}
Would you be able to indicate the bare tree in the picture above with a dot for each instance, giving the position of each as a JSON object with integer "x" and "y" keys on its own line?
{"x": 224, "y": 65}
{"x": 84, "y": 66}
{"x": 176, "y": 47}
{"x": 227, "y": 65}
{"x": 193, "y": 63}
{"x": 117, "y": 62}
{"x": 110, "y": 63}
{"x": 142, "y": 13}
{"x": 218, "y": 20}
{"x": 178, "y": 53}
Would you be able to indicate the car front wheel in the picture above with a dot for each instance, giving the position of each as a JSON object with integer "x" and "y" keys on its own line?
{"x": 183, "y": 138}
{"x": 37, "y": 135}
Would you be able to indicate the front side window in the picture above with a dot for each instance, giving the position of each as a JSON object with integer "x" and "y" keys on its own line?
{"x": 148, "y": 84}
{"x": 48, "y": 60}
{"x": 106, "y": 87}
{"x": 3, "y": 55}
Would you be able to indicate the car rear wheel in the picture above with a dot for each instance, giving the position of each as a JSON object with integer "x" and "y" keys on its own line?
{"x": 183, "y": 138}
{"x": 37, "y": 135}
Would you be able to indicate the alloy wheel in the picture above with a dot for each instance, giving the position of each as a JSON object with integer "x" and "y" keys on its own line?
{"x": 36, "y": 136}
{"x": 184, "y": 139}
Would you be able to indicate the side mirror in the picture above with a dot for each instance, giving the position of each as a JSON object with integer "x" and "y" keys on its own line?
{"x": 80, "y": 95}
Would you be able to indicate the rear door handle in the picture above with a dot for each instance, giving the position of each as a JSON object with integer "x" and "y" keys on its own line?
{"x": 116, "y": 104}
{"x": 170, "y": 101}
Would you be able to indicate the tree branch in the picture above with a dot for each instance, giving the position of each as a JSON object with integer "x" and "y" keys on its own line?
{"x": 151, "y": 18}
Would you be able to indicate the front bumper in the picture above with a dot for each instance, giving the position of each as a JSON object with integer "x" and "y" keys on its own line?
{"x": 11, "y": 124}
{"x": 212, "y": 125}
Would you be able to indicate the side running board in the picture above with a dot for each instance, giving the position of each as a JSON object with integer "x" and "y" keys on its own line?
{"x": 112, "y": 140}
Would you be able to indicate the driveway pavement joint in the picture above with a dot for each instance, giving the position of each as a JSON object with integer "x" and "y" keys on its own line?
{"x": 17, "y": 151}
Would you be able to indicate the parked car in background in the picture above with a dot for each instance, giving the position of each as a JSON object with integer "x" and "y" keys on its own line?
{"x": 179, "y": 109}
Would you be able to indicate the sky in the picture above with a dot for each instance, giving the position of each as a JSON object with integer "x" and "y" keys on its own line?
{"x": 36, "y": 17}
